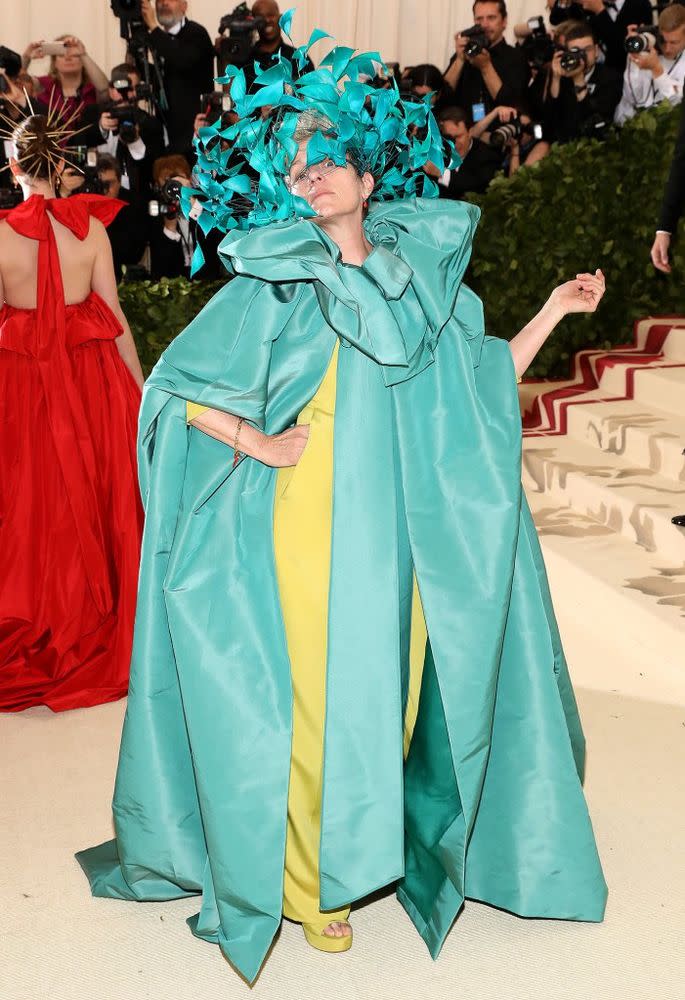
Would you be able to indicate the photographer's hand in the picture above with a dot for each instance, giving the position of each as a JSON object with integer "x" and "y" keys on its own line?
{"x": 32, "y": 51}
{"x": 149, "y": 15}
{"x": 648, "y": 60}
{"x": 108, "y": 123}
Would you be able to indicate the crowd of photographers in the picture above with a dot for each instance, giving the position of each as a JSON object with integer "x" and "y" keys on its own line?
{"x": 597, "y": 64}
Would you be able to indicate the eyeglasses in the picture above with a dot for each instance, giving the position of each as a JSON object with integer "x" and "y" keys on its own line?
{"x": 303, "y": 179}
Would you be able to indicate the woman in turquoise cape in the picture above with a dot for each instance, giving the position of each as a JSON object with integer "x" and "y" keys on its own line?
{"x": 488, "y": 803}
{"x": 358, "y": 322}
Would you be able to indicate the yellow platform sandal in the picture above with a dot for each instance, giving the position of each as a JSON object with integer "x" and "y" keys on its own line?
{"x": 327, "y": 942}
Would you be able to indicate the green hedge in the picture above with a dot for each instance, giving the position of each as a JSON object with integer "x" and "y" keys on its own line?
{"x": 587, "y": 205}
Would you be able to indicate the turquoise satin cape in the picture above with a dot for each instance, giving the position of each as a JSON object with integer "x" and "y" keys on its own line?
{"x": 427, "y": 456}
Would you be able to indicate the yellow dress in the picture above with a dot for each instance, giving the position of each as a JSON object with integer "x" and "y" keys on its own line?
{"x": 302, "y": 542}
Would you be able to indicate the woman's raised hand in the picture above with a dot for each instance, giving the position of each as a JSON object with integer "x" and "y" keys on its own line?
{"x": 32, "y": 51}
{"x": 583, "y": 294}
{"x": 281, "y": 450}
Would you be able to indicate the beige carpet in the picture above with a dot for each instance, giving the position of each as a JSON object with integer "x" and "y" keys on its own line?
{"x": 57, "y": 943}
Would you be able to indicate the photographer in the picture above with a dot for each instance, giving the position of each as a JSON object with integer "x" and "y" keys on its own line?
{"x": 127, "y": 233}
{"x": 479, "y": 163}
{"x": 485, "y": 71}
{"x": 610, "y": 21}
{"x": 73, "y": 79}
{"x": 657, "y": 72}
{"x": 518, "y": 140}
{"x": 583, "y": 93}
{"x": 119, "y": 127}
{"x": 185, "y": 55}
{"x": 270, "y": 41}
{"x": 173, "y": 237}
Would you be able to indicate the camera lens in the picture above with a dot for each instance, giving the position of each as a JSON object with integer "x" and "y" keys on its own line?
{"x": 502, "y": 135}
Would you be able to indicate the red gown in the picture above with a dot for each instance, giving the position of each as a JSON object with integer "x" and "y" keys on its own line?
{"x": 70, "y": 511}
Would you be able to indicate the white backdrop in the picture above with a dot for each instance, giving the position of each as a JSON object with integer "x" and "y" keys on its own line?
{"x": 404, "y": 31}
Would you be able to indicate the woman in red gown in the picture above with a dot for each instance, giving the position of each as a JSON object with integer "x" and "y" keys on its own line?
{"x": 70, "y": 380}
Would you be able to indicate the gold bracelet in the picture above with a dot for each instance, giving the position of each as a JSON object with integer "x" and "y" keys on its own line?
{"x": 237, "y": 455}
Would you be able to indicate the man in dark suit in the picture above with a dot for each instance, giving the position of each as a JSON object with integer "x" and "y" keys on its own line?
{"x": 673, "y": 202}
{"x": 609, "y": 20}
{"x": 127, "y": 233}
{"x": 497, "y": 75}
{"x": 185, "y": 54}
{"x": 582, "y": 99}
{"x": 137, "y": 144}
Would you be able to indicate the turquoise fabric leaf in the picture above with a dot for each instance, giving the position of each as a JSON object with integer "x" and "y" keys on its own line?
{"x": 373, "y": 127}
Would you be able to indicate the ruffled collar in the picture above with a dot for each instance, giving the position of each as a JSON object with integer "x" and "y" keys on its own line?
{"x": 394, "y": 306}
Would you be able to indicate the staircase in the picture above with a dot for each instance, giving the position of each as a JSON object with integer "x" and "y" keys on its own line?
{"x": 604, "y": 472}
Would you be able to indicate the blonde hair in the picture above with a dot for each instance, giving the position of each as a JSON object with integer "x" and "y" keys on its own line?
{"x": 672, "y": 18}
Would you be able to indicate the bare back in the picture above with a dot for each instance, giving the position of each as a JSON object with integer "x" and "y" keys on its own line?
{"x": 19, "y": 264}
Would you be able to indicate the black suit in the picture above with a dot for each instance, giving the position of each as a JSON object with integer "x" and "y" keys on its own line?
{"x": 674, "y": 195}
{"x": 167, "y": 259}
{"x": 567, "y": 119}
{"x": 612, "y": 34}
{"x": 478, "y": 167}
{"x": 139, "y": 171}
{"x": 127, "y": 233}
{"x": 187, "y": 63}
{"x": 512, "y": 69}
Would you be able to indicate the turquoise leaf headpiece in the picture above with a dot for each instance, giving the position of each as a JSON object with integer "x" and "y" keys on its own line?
{"x": 241, "y": 170}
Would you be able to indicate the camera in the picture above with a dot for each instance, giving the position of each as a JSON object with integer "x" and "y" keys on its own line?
{"x": 126, "y": 113}
{"x": 477, "y": 41}
{"x": 132, "y": 27}
{"x": 538, "y": 47}
{"x": 127, "y": 10}
{"x": 85, "y": 160}
{"x": 237, "y": 31}
{"x": 514, "y": 129}
{"x": 166, "y": 200}
{"x": 11, "y": 63}
{"x": 643, "y": 41}
{"x": 572, "y": 59}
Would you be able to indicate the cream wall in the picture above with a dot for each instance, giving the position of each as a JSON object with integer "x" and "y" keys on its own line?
{"x": 404, "y": 31}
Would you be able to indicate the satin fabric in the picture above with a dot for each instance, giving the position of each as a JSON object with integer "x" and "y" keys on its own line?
{"x": 70, "y": 514}
{"x": 302, "y": 543}
{"x": 427, "y": 448}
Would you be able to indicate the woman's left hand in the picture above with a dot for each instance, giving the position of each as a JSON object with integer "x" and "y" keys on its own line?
{"x": 583, "y": 294}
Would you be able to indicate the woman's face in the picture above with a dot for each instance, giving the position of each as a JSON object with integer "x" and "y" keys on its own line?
{"x": 331, "y": 190}
{"x": 69, "y": 63}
